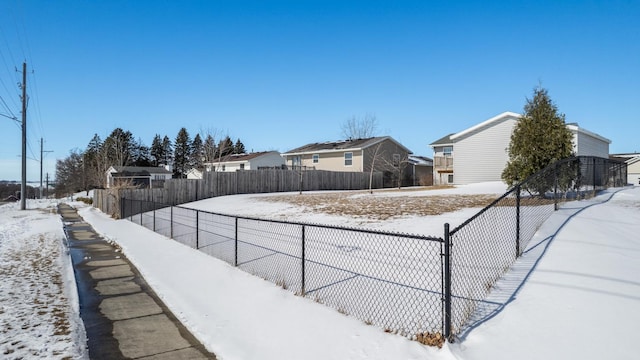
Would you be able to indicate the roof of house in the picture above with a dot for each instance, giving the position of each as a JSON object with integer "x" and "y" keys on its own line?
{"x": 486, "y": 123}
{"x": 342, "y": 145}
{"x": 446, "y": 140}
{"x": 140, "y": 170}
{"x": 451, "y": 138}
{"x": 420, "y": 160}
{"x": 576, "y": 128}
{"x": 243, "y": 157}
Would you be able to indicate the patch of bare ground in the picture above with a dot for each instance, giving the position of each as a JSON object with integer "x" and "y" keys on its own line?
{"x": 370, "y": 206}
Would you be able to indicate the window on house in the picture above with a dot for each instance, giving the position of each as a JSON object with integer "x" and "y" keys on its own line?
{"x": 241, "y": 166}
{"x": 450, "y": 179}
{"x": 296, "y": 161}
{"x": 348, "y": 159}
{"x": 447, "y": 150}
{"x": 224, "y": 167}
{"x": 316, "y": 158}
{"x": 396, "y": 159}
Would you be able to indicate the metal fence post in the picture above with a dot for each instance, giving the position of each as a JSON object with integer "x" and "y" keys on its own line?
{"x": 555, "y": 187}
{"x": 154, "y": 215}
{"x": 303, "y": 261}
{"x": 171, "y": 223}
{"x": 594, "y": 175}
{"x": 141, "y": 213}
{"x": 197, "y": 230}
{"x": 517, "y": 221}
{"x": 235, "y": 261}
{"x": 122, "y": 200}
{"x": 447, "y": 282}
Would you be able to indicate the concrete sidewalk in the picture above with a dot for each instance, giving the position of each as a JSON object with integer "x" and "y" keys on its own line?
{"x": 123, "y": 317}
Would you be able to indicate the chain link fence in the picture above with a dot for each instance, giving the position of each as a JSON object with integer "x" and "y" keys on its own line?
{"x": 421, "y": 287}
{"x": 485, "y": 246}
{"x": 386, "y": 279}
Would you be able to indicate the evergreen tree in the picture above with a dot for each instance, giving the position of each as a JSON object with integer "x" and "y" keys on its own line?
{"x": 95, "y": 163}
{"x": 167, "y": 151}
{"x": 209, "y": 149}
{"x": 181, "y": 154}
{"x": 141, "y": 154}
{"x": 538, "y": 139}
{"x": 197, "y": 152}
{"x": 157, "y": 151}
{"x": 225, "y": 147}
{"x": 238, "y": 148}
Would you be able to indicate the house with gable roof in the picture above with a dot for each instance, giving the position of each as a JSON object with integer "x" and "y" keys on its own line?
{"x": 238, "y": 162}
{"x": 383, "y": 153}
{"x": 480, "y": 153}
{"x": 140, "y": 176}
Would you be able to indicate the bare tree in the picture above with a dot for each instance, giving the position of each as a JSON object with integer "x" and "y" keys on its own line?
{"x": 360, "y": 128}
{"x": 397, "y": 165}
{"x": 377, "y": 155}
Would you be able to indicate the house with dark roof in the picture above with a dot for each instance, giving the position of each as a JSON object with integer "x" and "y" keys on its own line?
{"x": 140, "y": 176}
{"x": 480, "y": 153}
{"x": 382, "y": 153}
{"x": 238, "y": 162}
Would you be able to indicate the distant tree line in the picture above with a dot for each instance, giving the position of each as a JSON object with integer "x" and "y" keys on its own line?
{"x": 86, "y": 169}
{"x": 10, "y": 191}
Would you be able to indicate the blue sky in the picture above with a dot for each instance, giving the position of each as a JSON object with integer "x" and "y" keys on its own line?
{"x": 281, "y": 74}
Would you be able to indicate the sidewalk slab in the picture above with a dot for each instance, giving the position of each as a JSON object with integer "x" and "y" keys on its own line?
{"x": 123, "y": 317}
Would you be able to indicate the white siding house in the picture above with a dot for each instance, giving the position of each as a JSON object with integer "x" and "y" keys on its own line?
{"x": 252, "y": 161}
{"x": 633, "y": 171}
{"x": 482, "y": 151}
{"x": 586, "y": 143}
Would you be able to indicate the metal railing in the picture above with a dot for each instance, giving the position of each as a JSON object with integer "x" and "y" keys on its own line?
{"x": 418, "y": 286}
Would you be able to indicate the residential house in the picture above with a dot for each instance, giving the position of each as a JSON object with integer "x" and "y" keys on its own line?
{"x": 141, "y": 176}
{"x": 195, "y": 173}
{"x": 383, "y": 153}
{"x": 251, "y": 161}
{"x": 633, "y": 166}
{"x": 421, "y": 170}
{"x": 480, "y": 153}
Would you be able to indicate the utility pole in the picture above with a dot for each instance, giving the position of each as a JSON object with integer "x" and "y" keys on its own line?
{"x": 41, "y": 160}
{"x": 23, "y": 186}
{"x": 47, "y": 188}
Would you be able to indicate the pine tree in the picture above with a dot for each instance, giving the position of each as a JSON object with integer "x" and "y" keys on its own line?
{"x": 197, "y": 152}
{"x": 141, "y": 154}
{"x": 209, "y": 149}
{"x": 167, "y": 151}
{"x": 157, "y": 151}
{"x": 95, "y": 163}
{"x": 225, "y": 147}
{"x": 238, "y": 148}
{"x": 538, "y": 139}
{"x": 181, "y": 154}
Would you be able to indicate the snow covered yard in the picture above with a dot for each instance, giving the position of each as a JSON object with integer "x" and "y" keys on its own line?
{"x": 38, "y": 303}
{"x": 573, "y": 294}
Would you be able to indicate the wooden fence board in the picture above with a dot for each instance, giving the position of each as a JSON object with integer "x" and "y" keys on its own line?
{"x": 180, "y": 191}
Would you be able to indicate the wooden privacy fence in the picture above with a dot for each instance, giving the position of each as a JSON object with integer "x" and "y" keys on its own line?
{"x": 180, "y": 191}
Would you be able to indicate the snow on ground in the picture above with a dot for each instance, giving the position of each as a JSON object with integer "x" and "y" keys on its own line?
{"x": 254, "y": 205}
{"x": 574, "y": 294}
{"x": 39, "y": 316}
